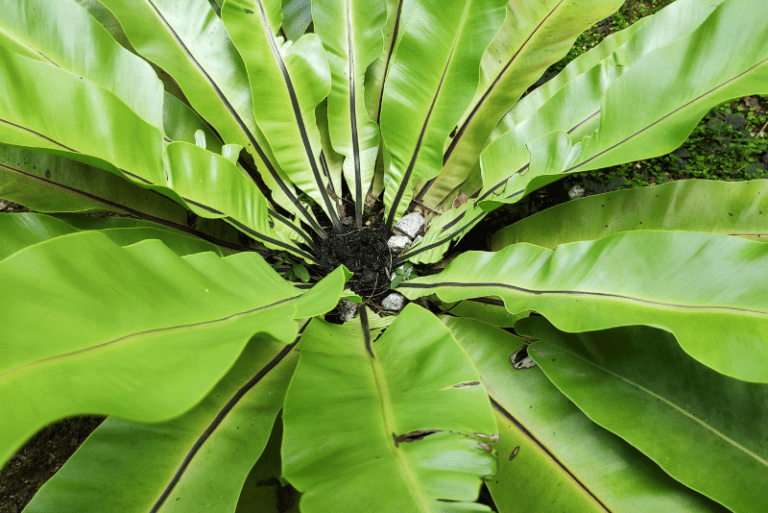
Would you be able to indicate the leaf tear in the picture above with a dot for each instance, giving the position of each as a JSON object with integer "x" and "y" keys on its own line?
{"x": 466, "y": 384}
{"x": 520, "y": 359}
{"x": 413, "y": 436}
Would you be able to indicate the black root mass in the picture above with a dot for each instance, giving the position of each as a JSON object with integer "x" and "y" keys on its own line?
{"x": 362, "y": 251}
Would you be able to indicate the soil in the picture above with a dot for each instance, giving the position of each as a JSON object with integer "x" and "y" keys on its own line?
{"x": 364, "y": 252}
{"x": 40, "y": 458}
{"x": 7, "y": 206}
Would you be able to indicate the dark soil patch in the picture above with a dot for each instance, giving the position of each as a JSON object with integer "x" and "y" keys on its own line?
{"x": 364, "y": 252}
{"x": 40, "y": 458}
{"x": 8, "y": 207}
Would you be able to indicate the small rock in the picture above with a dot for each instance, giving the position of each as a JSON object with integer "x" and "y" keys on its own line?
{"x": 520, "y": 359}
{"x": 576, "y": 192}
{"x": 347, "y": 309}
{"x": 525, "y": 363}
{"x": 410, "y": 224}
{"x": 393, "y": 302}
{"x": 398, "y": 242}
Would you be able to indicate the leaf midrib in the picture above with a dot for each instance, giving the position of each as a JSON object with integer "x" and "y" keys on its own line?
{"x": 705, "y": 308}
{"x": 138, "y": 336}
{"x": 23, "y": 43}
{"x": 389, "y": 429}
{"x": 667, "y": 402}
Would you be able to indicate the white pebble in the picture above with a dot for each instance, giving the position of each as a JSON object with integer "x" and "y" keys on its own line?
{"x": 393, "y": 302}
{"x": 410, "y": 224}
{"x": 576, "y": 192}
{"x": 398, "y": 242}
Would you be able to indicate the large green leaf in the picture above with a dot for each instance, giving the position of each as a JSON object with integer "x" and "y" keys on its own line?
{"x": 728, "y": 208}
{"x": 189, "y": 41}
{"x": 580, "y": 86}
{"x": 431, "y": 80}
{"x": 77, "y": 117}
{"x": 26, "y": 229}
{"x": 181, "y": 123}
{"x": 551, "y": 456}
{"x": 49, "y": 183}
{"x": 297, "y": 15}
{"x": 639, "y": 384}
{"x": 448, "y": 227}
{"x": 212, "y": 186}
{"x": 706, "y": 289}
{"x": 197, "y": 462}
{"x": 288, "y": 80}
{"x": 571, "y": 102}
{"x": 398, "y": 423}
{"x": 534, "y": 35}
{"x": 62, "y": 33}
{"x": 351, "y": 34}
{"x": 209, "y": 184}
{"x": 398, "y": 14}
{"x": 261, "y": 490}
{"x": 619, "y": 50}
{"x": 136, "y": 332}
{"x": 489, "y": 310}
{"x": 626, "y": 133}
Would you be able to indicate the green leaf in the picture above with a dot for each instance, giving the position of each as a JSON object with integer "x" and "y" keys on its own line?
{"x": 212, "y": 186}
{"x": 431, "y": 80}
{"x": 563, "y": 461}
{"x": 115, "y": 341}
{"x": 50, "y": 183}
{"x": 53, "y": 184}
{"x": 117, "y": 136}
{"x": 534, "y": 36}
{"x": 301, "y": 272}
{"x": 703, "y": 288}
{"x": 198, "y": 461}
{"x": 63, "y": 34}
{"x": 26, "y": 229}
{"x": 189, "y": 41}
{"x": 613, "y": 56}
{"x": 297, "y": 15}
{"x": 570, "y": 101}
{"x": 181, "y": 123}
{"x": 34, "y": 115}
{"x": 705, "y": 206}
{"x": 637, "y": 383}
{"x": 398, "y": 423}
{"x": 351, "y": 34}
{"x": 398, "y": 15}
{"x": 489, "y": 310}
{"x": 261, "y": 490}
{"x": 288, "y": 81}
{"x": 626, "y": 134}
{"x": 448, "y": 227}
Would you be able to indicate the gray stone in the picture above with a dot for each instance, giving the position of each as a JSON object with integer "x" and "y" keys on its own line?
{"x": 410, "y": 224}
{"x": 398, "y": 242}
{"x": 393, "y": 302}
{"x": 576, "y": 192}
{"x": 347, "y": 309}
